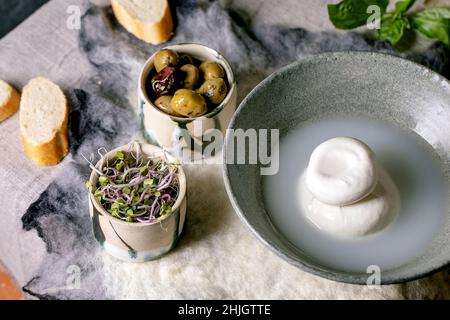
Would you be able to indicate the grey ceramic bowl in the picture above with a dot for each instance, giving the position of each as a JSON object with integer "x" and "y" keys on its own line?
{"x": 379, "y": 86}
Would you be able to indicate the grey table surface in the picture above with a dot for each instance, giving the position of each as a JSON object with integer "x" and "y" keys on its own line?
{"x": 44, "y": 46}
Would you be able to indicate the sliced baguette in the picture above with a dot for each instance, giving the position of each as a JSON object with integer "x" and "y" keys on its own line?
{"x": 43, "y": 122}
{"x": 148, "y": 20}
{"x": 9, "y": 100}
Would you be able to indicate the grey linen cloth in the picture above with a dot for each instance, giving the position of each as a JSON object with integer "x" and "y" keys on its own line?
{"x": 217, "y": 257}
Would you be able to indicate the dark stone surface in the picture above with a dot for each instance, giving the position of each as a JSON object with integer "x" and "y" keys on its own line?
{"x": 14, "y": 12}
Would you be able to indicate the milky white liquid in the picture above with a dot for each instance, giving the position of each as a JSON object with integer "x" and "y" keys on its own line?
{"x": 417, "y": 176}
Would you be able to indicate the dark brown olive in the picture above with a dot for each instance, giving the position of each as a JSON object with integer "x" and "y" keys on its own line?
{"x": 188, "y": 103}
{"x": 214, "y": 90}
{"x": 191, "y": 75}
{"x": 163, "y": 82}
{"x": 212, "y": 70}
{"x": 164, "y": 58}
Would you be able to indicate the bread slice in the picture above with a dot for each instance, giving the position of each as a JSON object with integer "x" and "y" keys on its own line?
{"x": 43, "y": 122}
{"x": 149, "y": 20}
{"x": 9, "y": 100}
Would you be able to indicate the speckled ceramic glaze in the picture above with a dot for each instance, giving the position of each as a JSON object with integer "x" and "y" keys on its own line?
{"x": 138, "y": 242}
{"x": 164, "y": 130}
{"x": 338, "y": 85}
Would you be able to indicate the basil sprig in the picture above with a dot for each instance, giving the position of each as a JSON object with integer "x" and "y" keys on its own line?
{"x": 349, "y": 14}
{"x": 432, "y": 23}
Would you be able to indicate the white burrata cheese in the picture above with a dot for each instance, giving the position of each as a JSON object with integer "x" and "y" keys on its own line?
{"x": 341, "y": 171}
{"x": 367, "y": 216}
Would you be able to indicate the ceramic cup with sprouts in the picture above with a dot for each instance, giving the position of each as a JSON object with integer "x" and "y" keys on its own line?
{"x": 137, "y": 199}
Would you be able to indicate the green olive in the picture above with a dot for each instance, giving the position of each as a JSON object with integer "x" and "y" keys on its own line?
{"x": 191, "y": 76}
{"x": 215, "y": 90}
{"x": 164, "y": 58}
{"x": 163, "y": 103}
{"x": 212, "y": 70}
{"x": 188, "y": 103}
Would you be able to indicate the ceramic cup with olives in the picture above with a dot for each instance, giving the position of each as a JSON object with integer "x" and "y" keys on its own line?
{"x": 182, "y": 87}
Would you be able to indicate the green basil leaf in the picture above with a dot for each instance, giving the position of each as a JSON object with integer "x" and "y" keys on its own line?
{"x": 403, "y": 6}
{"x": 349, "y": 14}
{"x": 433, "y": 23}
{"x": 392, "y": 28}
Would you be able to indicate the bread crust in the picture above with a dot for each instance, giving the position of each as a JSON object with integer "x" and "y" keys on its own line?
{"x": 154, "y": 33}
{"x": 52, "y": 152}
{"x": 11, "y": 106}
{"x": 49, "y": 153}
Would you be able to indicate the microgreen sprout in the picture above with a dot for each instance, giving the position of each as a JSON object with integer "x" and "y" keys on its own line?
{"x": 133, "y": 187}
